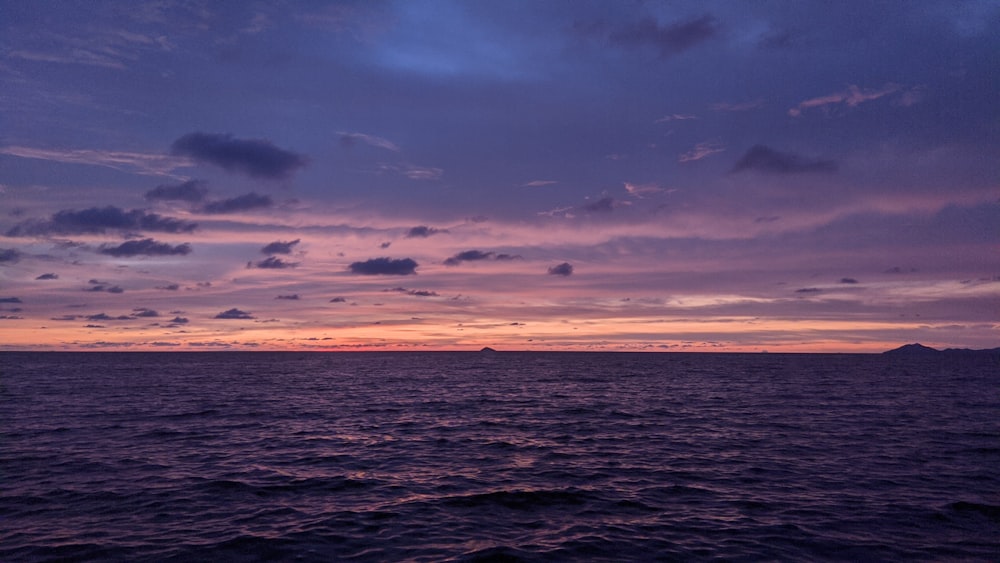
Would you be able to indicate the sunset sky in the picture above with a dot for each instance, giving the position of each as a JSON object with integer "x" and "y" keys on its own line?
{"x": 525, "y": 175}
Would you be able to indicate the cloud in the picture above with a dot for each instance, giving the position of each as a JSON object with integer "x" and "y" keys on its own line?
{"x": 169, "y": 287}
{"x": 477, "y": 255}
{"x": 766, "y": 159}
{"x": 48, "y": 277}
{"x": 414, "y": 292}
{"x": 9, "y": 255}
{"x": 10, "y": 300}
{"x": 292, "y": 297}
{"x": 848, "y": 280}
{"x": 423, "y": 231}
{"x": 145, "y": 247}
{"x": 637, "y": 190}
{"x": 350, "y": 139}
{"x": 852, "y": 97}
{"x": 193, "y": 191}
{"x": 98, "y": 220}
{"x": 740, "y": 106}
{"x": 564, "y": 269}
{"x": 669, "y": 39}
{"x": 469, "y": 256}
{"x": 539, "y": 183}
{"x": 272, "y": 263}
{"x": 338, "y": 300}
{"x": 258, "y": 158}
{"x": 385, "y": 266}
{"x": 106, "y": 317}
{"x": 280, "y": 247}
{"x": 138, "y": 163}
{"x": 144, "y": 313}
{"x": 179, "y": 321}
{"x": 603, "y": 205}
{"x": 111, "y": 289}
{"x": 675, "y": 117}
{"x": 234, "y": 314}
{"x": 701, "y": 150}
{"x": 809, "y": 290}
{"x": 244, "y": 202}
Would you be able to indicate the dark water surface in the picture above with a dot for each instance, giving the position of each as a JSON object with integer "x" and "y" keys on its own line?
{"x": 508, "y": 456}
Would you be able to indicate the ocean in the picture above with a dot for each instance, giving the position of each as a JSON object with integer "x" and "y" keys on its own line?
{"x": 509, "y": 456}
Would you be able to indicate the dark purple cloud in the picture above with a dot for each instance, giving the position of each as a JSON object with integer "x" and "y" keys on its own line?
{"x": 192, "y": 191}
{"x": 48, "y": 277}
{"x": 385, "y": 266}
{"x": 179, "y": 321}
{"x": 809, "y": 290}
{"x": 145, "y": 247}
{"x": 256, "y": 157}
{"x": 848, "y": 280}
{"x": 97, "y": 220}
{"x": 234, "y": 314}
{"x": 414, "y": 292}
{"x": 338, "y": 300}
{"x": 478, "y": 255}
{"x": 9, "y": 255}
{"x": 423, "y": 231}
{"x": 10, "y": 300}
{"x": 106, "y": 317}
{"x": 603, "y": 205}
{"x": 272, "y": 263}
{"x": 169, "y": 287}
{"x": 768, "y": 160}
{"x": 292, "y": 297}
{"x": 244, "y": 202}
{"x": 668, "y": 39}
{"x": 469, "y": 256}
{"x": 144, "y": 313}
{"x": 564, "y": 269}
{"x": 279, "y": 247}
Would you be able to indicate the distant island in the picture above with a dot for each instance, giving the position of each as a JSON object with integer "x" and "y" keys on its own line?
{"x": 917, "y": 349}
{"x": 487, "y": 350}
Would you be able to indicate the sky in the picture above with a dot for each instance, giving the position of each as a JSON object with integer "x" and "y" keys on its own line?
{"x": 777, "y": 176}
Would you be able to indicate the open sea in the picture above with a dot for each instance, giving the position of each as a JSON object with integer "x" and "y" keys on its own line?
{"x": 510, "y": 456}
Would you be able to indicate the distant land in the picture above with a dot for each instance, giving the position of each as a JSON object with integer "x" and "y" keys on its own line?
{"x": 917, "y": 349}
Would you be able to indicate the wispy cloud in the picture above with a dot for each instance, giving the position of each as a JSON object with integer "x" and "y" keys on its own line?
{"x": 538, "y": 183}
{"x": 640, "y": 190}
{"x": 739, "y": 106}
{"x": 701, "y": 150}
{"x": 149, "y": 164}
{"x": 676, "y": 117}
{"x": 851, "y": 97}
{"x": 351, "y": 139}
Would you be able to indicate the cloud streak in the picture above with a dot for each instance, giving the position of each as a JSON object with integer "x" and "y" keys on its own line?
{"x": 99, "y": 220}
{"x": 145, "y": 247}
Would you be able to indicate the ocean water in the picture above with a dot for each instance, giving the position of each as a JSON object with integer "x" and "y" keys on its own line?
{"x": 497, "y": 457}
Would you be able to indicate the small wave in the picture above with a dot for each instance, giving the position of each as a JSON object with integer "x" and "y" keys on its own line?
{"x": 521, "y": 500}
{"x": 990, "y": 511}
